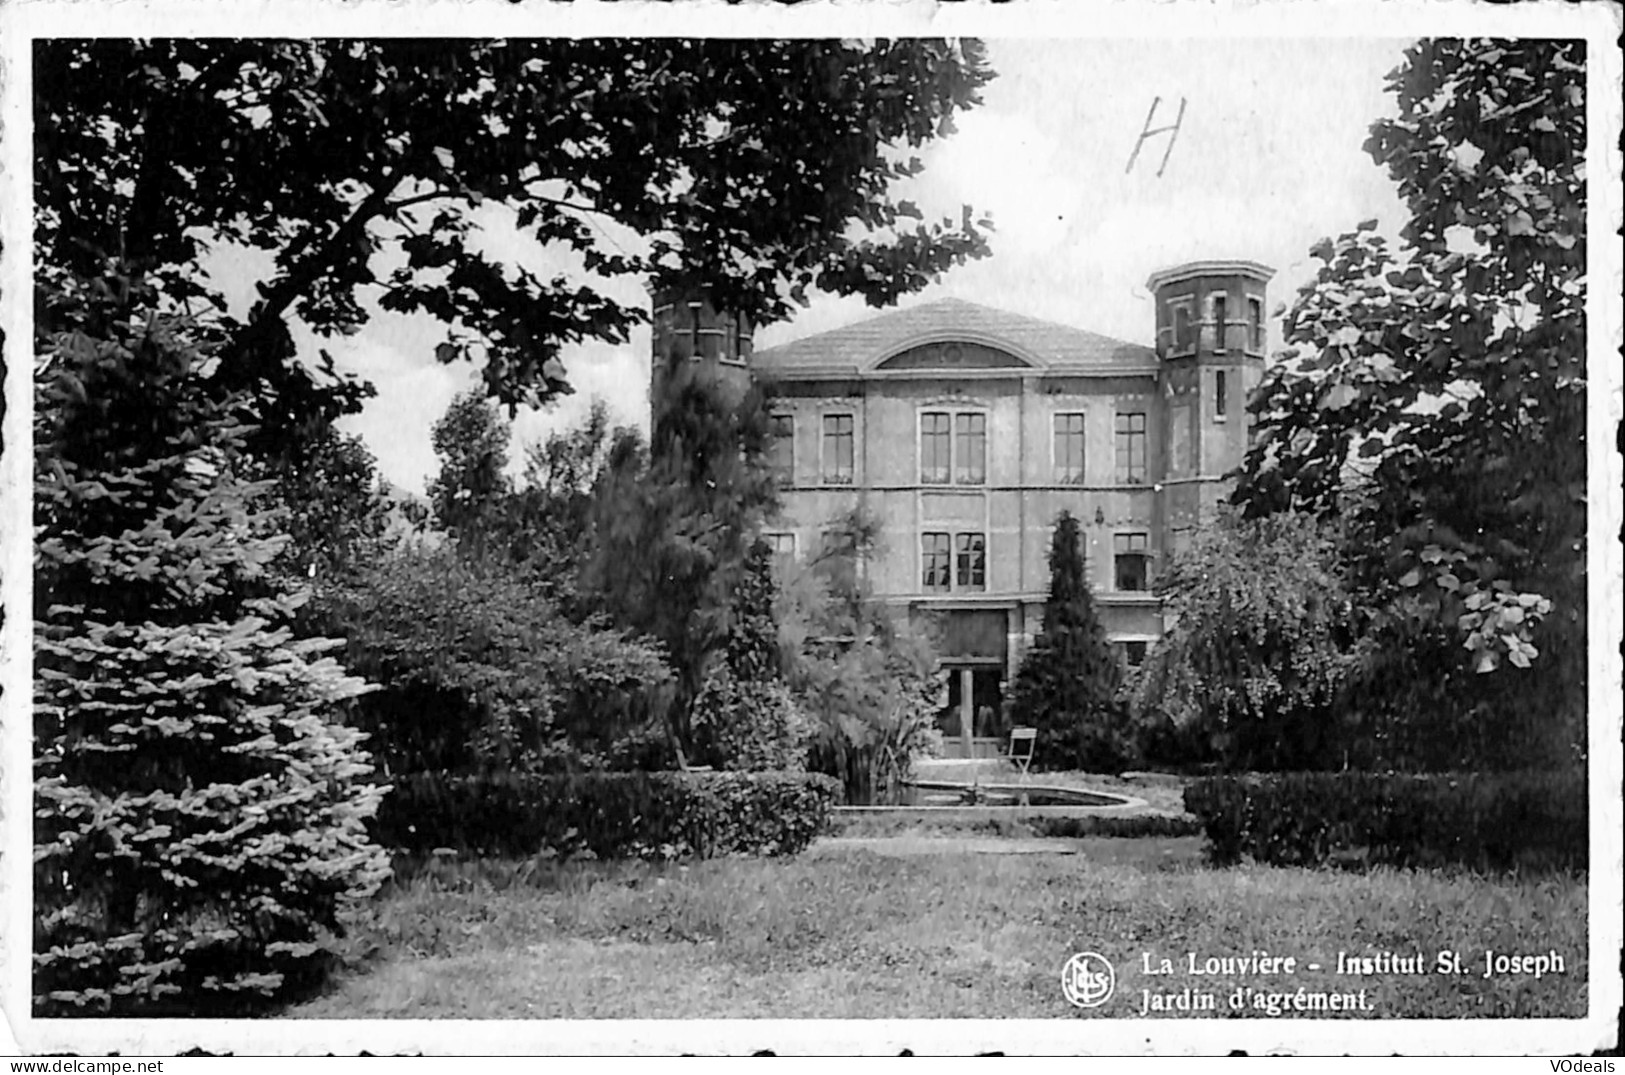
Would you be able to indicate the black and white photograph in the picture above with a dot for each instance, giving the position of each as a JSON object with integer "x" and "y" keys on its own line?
{"x": 802, "y": 528}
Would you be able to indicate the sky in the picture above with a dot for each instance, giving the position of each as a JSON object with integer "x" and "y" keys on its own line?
{"x": 1267, "y": 161}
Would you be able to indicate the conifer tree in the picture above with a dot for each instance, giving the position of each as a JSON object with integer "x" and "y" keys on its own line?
{"x": 672, "y": 527}
{"x": 745, "y": 716}
{"x": 1067, "y": 686}
{"x": 199, "y": 813}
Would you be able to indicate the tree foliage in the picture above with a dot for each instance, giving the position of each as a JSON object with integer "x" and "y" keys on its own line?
{"x": 1435, "y": 396}
{"x": 379, "y": 165}
{"x": 866, "y": 678}
{"x": 335, "y": 509}
{"x": 199, "y": 812}
{"x": 672, "y": 528}
{"x": 745, "y": 716}
{"x": 1067, "y": 685}
{"x": 483, "y": 673}
{"x": 468, "y": 496}
{"x": 549, "y": 517}
{"x": 1266, "y": 635}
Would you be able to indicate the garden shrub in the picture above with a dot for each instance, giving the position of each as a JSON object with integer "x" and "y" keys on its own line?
{"x": 1266, "y": 634}
{"x": 752, "y": 724}
{"x": 1479, "y": 820}
{"x": 1129, "y": 827}
{"x": 866, "y": 678}
{"x": 611, "y": 815}
{"x": 745, "y": 716}
{"x": 481, "y": 671}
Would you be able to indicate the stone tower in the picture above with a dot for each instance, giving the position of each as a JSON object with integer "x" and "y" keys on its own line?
{"x": 1211, "y": 343}
{"x": 687, "y": 328}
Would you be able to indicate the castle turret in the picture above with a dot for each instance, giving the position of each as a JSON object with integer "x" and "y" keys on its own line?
{"x": 687, "y": 328}
{"x": 1211, "y": 342}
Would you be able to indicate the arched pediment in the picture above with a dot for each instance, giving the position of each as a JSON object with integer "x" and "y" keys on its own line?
{"x": 953, "y": 354}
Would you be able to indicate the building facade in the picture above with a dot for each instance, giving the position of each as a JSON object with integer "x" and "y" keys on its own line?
{"x": 965, "y": 431}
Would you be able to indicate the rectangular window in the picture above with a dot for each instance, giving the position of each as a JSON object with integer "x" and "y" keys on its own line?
{"x": 934, "y": 562}
{"x": 838, "y": 449}
{"x": 934, "y": 463}
{"x": 970, "y": 561}
{"x": 1131, "y": 556}
{"x": 1219, "y": 303}
{"x": 953, "y": 447}
{"x": 970, "y": 449}
{"x": 1255, "y": 324}
{"x": 781, "y": 447}
{"x": 732, "y": 349}
{"x": 1182, "y": 326}
{"x": 1131, "y": 448}
{"x": 1132, "y": 653}
{"x": 1069, "y": 449}
{"x": 784, "y": 550}
{"x": 1219, "y": 394}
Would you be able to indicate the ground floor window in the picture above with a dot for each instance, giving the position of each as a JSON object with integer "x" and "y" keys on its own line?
{"x": 971, "y": 561}
{"x": 953, "y": 561}
{"x": 1133, "y": 652}
{"x": 934, "y": 561}
{"x": 783, "y": 546}
{"x": 1132, "y": 557}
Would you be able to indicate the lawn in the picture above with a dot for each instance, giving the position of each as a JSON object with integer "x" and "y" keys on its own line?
{"x": 847, "y": 933}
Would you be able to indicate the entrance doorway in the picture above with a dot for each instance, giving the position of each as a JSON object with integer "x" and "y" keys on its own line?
{"x": 972, "y": 721}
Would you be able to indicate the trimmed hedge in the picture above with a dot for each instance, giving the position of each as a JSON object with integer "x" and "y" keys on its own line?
{"x": 611, "y": 815}
{"x": 1128, "y": 827}
{"x": 1492, "y": 821}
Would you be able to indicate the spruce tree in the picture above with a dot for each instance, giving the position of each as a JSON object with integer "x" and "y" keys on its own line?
{"x": 199, "y": 813}
{"x": 1067, "y": 686}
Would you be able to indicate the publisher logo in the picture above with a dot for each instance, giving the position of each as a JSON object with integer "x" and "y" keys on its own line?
{"x": 1088, "y": 980}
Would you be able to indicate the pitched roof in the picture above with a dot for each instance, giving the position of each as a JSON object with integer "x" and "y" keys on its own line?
{"x": 1047, "y": 345}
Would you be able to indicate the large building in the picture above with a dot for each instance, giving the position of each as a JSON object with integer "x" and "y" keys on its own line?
{"x": 965, "y": 431}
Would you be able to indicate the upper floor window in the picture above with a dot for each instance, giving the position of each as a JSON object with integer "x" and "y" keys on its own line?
{"x": 1255, "y": 324}
{"x": 1069, "y": 449}
{"x": 781, "y": 447}
{"x": 970, "y": 448}
{"x": 1184, "y": 340}
{"x": 953, "y": 561}
{"x": 1131, "y": 560}
{"x": 1220, "y": 395}
{"x": 1131, "y": 448}
{"x": 953, "y": 444}
{"x": 838, "y": 449}
{"x": 935, "y": 451}
{"x": 1219, "y": 302}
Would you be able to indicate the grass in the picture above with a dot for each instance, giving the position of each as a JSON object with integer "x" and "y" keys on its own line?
{"x": 844, "y": 933}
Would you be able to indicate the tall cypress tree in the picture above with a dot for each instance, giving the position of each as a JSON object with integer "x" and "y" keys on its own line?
{"x": 1067, "y": 685}
{"x": 671, "y": 528}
